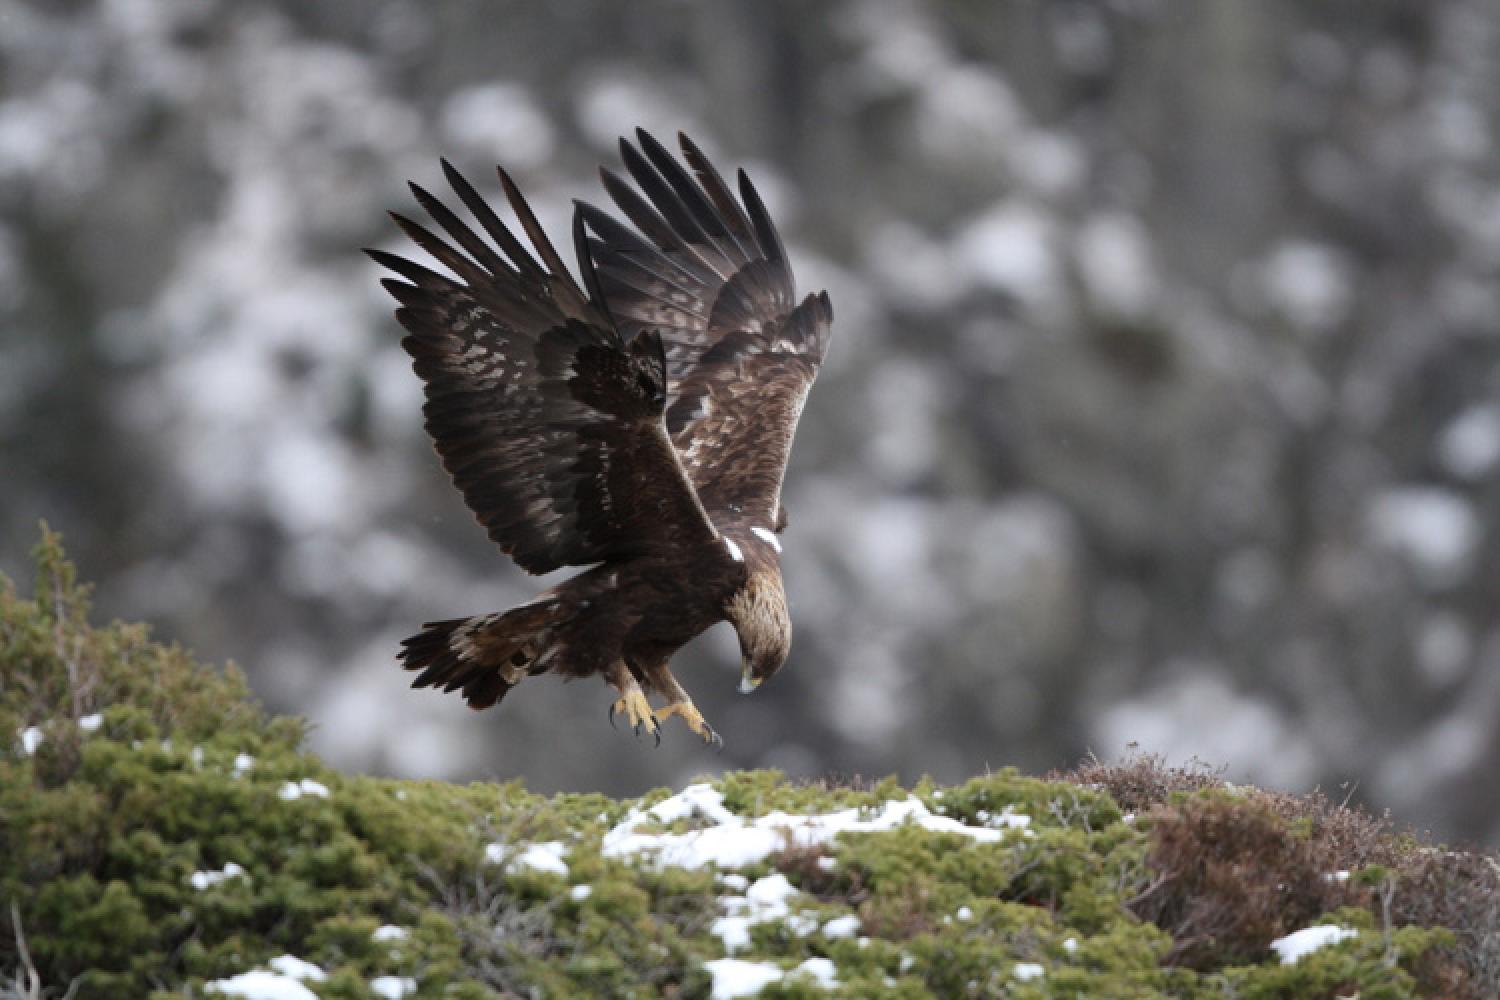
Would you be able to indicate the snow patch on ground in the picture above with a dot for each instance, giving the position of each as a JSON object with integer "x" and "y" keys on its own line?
{"x": 733, "y": 842}
{"x": 296, "y": 968}
{"x": 390, "y": 932}
{"x": 1308, "y": 940}
{"x": 821, "y": 970}
{"x": 547, "y": 857}
{"x": 393, "y": 987}
{"x": 1026, "y": 971}
{"x": 766, "y": 901}
{"x": 205, "y": 879}
{"x": 31, "y": 738}
{"x": 91, "y": 723}
{"x": 841, "y": 927}
{"x": 282, "y": 981}
{"x": 733, "y": 977}
{"x": 293, "y": 790}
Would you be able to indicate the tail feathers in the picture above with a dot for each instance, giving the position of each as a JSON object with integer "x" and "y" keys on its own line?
{"x": 486, "y": 655}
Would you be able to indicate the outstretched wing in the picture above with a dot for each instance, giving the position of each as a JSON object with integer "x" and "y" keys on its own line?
{"x": 709, "y": 273}
{"x": 548, "y": 421}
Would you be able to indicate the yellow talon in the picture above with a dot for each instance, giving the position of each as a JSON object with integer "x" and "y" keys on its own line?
{"x": 692, "y": 717}
{"x": 637, "y": 711}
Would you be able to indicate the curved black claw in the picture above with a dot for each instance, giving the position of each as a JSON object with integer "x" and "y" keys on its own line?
{"x": 714, "y": 740}
{"x": 612, "y": 715}
{"x": 657, "y": 733}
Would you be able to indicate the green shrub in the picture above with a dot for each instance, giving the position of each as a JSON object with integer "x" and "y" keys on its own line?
{"x": 153, "y": 850}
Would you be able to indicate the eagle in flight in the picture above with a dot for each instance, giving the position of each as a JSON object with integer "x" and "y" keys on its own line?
{"x": 638, "y": 426}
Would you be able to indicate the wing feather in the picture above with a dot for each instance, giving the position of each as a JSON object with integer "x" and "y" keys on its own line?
{"x": 550, "y": 424}
{"x": 709, "y": 272}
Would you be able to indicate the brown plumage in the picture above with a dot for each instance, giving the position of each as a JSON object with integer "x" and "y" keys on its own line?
{"x": 641, "y": 428}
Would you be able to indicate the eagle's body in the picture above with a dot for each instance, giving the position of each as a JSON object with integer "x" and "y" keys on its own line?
{"x": 641, "y": 429}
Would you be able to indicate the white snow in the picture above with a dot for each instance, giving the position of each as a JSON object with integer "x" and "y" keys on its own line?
{"x": 615, "y": 98}
{"x": 393, "y": 987}
{"x": 498, "y": 121}
{"x": 293, "y": 790}
{"x": 841, "y": 927}
{"x": 1009, "y": 249}
{"x": 202, "y": 880}
{"x": 1469, "y": 447}
{"x": 1005, "y": 819}
{"x": 91, "y": 723}
{"x": 968, "y": 113}
{"x": 733, "y": 977}
{"x": 390, "y": 932}
{"x": 1308, "y": 940}
{"x": 1308, "y": 283}
{"x": 1047, "y": 162}
{"x": 296, "y": 968}
{"x": 964, "y": 913}
{"x": 1027, "y": 971}
{"x": 766, "y": 901}
{"x": 243, "y": 762}
{"x": 1070, "y": 945}
{"x": 1114, "y": 261}
{"x": 1434, "y": 529}
{"x": 580, "y": 892}
{"x": 283, "y": 981}
{"x": 733, "y": 842}
{"x": 259, "y": 984}
{"x": 547, "y": 857}
{"x": 822, "y": 970}
{"x": 31, "y": 738}
{"x": 911, "y": 267}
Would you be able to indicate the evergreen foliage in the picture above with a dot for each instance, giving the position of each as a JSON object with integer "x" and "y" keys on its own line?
{"x": 165, "y": 834}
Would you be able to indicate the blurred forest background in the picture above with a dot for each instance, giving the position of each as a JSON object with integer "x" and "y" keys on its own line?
{"x": 1163, "y": 406}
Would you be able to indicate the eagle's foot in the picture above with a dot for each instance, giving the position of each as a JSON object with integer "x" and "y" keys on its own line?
{"x": 637, "y": 711}
{"x": 694, "y": 720}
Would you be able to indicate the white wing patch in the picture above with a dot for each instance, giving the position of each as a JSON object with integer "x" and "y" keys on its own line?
{"x": 734, "y": 550}
{"x": 767, "y": 537}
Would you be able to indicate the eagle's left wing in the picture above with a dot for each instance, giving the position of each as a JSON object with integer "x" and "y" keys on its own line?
{"x": 709, "y": 272}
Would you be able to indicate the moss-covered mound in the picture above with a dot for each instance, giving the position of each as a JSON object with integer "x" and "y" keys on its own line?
{"x": 160, "y": 836}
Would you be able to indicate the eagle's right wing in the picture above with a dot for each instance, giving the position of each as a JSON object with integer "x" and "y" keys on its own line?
{"x": 708, "y": 271}
{"x": 549, "y": 423}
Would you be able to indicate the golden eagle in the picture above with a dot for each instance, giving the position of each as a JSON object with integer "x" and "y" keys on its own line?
{"x": 640, "y": 428}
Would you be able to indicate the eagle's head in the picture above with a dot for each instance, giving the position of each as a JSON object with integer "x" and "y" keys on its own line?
{"x": 758, "y": 613}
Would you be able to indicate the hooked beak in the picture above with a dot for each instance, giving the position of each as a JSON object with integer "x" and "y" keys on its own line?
{"x": 748, "y": 683}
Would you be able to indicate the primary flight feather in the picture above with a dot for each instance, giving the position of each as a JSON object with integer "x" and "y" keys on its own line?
{"x": 639, "y": 425}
